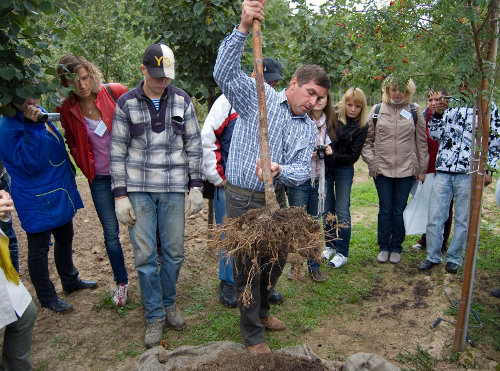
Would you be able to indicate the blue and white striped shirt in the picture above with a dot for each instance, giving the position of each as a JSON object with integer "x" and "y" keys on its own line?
{"x": 291, "y": 138}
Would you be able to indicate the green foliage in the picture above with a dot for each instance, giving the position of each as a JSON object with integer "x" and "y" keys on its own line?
{"x": 194, "y": 36}
{"x": 109, "y": 44}
{"x": 25, "y": 68}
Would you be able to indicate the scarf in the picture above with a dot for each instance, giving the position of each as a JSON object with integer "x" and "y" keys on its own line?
{"x": 318, "y": 165}
{"x": 5, "y": 262}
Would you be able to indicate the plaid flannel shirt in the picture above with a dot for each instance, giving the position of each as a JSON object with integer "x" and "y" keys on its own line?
{"x": 291, "y": 138}
{"x": 155, "y": 151}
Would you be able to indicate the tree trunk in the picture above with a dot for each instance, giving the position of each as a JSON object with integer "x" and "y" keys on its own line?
{"x": 479, "y": 155}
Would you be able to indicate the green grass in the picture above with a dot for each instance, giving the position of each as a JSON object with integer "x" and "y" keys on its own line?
{"x": 106, "y": 302}
{"x": 308, "y": 305}
{"x": 421, "y": 360}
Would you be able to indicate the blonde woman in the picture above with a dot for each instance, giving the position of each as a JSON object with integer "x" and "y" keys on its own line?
{"x": 351, "y": 130}
{"x": 396, "y": 153}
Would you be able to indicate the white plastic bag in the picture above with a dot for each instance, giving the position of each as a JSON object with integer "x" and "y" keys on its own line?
{"x": 416, "y": 212}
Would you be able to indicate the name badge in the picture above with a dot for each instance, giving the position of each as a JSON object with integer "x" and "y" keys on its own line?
{"x": 405, "y": 114}
{"x": 100, "y": 129}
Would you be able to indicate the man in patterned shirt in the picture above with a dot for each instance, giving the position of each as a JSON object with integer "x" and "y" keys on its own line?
{"x": 453, "y": 129}
{"x": 156, "y": 156}
{"x": 292, "y": 135}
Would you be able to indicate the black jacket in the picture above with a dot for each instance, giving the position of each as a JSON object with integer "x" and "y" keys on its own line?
{"x": 348, "y": 145}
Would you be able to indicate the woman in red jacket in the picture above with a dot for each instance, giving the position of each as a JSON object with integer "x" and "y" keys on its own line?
{"x": 87, "y": 119}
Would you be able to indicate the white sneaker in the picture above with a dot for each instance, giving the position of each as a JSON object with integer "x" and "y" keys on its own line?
{"x": 418, "y": 246}
{"x": 327, "y": 253}
{"x": 120, "y": 297}
{"x": 383, "y": 256}
{"x": 337, "y": 261}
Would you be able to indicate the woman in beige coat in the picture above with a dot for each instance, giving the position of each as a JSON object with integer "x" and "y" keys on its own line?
{"x": 396, "y": 153}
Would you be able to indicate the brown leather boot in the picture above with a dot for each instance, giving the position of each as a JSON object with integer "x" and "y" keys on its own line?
{"x": 258, "y": 348}
{"x": 273, "y": 324}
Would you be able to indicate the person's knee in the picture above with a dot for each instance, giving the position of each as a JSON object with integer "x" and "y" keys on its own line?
{"x": 28, "y": 318}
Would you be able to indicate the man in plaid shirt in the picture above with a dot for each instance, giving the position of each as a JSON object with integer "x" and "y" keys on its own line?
{"x": 156, "y": 156}
{"x": 292, "y": 135}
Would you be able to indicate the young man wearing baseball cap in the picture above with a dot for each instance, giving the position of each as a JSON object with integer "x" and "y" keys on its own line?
{"x": 156, "y": 156}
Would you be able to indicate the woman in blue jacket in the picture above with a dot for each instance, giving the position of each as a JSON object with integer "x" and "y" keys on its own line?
{"x": 46, "y": 199}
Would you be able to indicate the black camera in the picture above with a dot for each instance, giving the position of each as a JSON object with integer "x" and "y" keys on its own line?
{"x": 320, "y": 150}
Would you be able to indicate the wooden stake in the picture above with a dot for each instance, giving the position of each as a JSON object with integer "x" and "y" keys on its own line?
{"x": 265, "y": 156}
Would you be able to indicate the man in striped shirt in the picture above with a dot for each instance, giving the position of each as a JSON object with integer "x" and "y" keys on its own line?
{"x": 156, "y": 156}
{"x": 292, "y": 135}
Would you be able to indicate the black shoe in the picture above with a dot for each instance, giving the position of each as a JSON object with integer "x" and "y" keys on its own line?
{"x": 451, "y": 267}
{"x": 58, "y": 306}
{"x": 495, "y": 293}
{"x": 80, "y": 285}
{"x": 227, "y": 294}
{"x": 427, "y": 264}
{"x": 275, "y": 297}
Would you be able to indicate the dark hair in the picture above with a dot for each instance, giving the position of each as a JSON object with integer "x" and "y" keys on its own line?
{"x": 443, "y": 92}
{"x": 312, "y": 72}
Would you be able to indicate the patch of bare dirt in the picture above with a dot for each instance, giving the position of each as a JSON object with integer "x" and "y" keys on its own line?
{"x": 392, "y": 318}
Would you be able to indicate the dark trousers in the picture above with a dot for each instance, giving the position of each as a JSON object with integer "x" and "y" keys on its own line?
{"x": 38, "y": 262}
{"x": 392, "y": 195}
{"x": 251, "y": 327}
{"x": 17, "y": 341}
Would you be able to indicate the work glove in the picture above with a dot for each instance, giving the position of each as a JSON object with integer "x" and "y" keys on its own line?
{"x": 124, "y": 211}
{"x": 195, "y": 201}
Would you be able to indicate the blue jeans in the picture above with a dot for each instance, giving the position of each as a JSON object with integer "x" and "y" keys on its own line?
{"x": 104, "y": 203}
{"x": 393, "y": 195}
{"x": 447, "y": 186}
{"x": 338, "y": 202}
{"x": 158, "y": 288}
{"x": 306, "y": 196}
{"x": 6, "y": 227}
{"x": 225, "y": 266}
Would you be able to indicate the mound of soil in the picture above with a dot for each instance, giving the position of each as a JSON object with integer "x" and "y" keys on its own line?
{"x": 227, "y": 361}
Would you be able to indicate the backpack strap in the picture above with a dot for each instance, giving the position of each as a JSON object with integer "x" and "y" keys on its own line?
{"x": 375, "y": 114}
{"x": 111, "y": 92}
{"x": 413, "y": 110}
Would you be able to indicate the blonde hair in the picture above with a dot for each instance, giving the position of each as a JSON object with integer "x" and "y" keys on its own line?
{"x": 389, "y": 82}
{"x": 355, "y": 96}
{"x": 69, "y": 64}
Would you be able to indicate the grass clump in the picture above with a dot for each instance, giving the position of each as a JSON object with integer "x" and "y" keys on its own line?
{"x": 421, "y": 360}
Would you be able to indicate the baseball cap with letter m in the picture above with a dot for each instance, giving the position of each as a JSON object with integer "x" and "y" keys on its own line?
{"x": 159, "y": 61}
